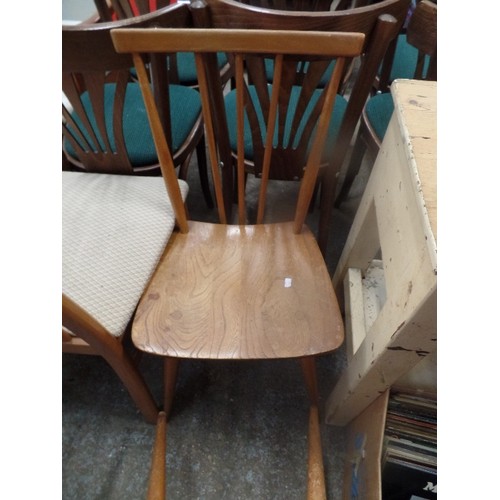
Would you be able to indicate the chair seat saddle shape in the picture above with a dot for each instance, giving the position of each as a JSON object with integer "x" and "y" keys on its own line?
{"x": 241, "y": 291}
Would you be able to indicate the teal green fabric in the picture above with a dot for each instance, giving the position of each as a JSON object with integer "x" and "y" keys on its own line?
{"x": 185, "y": 107}
{"x": 405, "y": 60}
{"x": 379, "y": 110}
{"x": 186, "y": 66}
{"x": 269, "y": 68}
{"x": 230, "y": 104}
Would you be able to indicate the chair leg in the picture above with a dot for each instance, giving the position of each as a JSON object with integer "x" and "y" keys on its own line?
{"x": 201, "y": 156}
{"x": 316, "y": 485}
{"x": 157, "y": 475}
{"x": 136, "y": 386}
{"x": 170, "y": 370}
{"x": 309, "y": 370}
{"x": 113, "y": 351}
{"x": 357, "y": 156}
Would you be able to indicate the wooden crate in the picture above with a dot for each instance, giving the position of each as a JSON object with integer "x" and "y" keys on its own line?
{"x": 387, "y": 273}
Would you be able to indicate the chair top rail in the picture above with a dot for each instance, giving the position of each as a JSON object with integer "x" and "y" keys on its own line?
{"x": 238, "y": 40}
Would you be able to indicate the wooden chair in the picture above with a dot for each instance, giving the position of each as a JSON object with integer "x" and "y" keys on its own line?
{"x": 114, "y": 230}
{"x": 183, "y": 65}
{"x": 243, "y": 291}
{"x": 105, "y": 126}
{"x": 312, "y": 5}
{"x": 114, "y": 10}
{"x": 421, "y": 35}
{"x": 157, "y": 477}
{"x": 380, "y": 23}
{"x": 115, "y": 227}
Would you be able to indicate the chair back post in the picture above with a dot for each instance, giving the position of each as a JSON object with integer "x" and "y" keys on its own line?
{"x": 422, "y": 34}
{"x": 103, "y": 10}
{"x": 386, "y": 29}
{"x": 201, "y": 19}
{"x": 385, "y": 71}
{"x": 160, "y": 80}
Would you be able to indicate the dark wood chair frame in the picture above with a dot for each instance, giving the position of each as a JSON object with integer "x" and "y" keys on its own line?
{"x": 380, "y": 22}
{"x": 422, "y": 34}
{"x": 80, "y": 44}
{"x": 89, "y": 336}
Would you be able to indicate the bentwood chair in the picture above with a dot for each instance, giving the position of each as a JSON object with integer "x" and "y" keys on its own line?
{"x": 241, "y": 291}
{"x": 105, "y": 126}
{"x": 113, "y": 10}
{"x": 313, "y": 5}
{"x": 183, "y": 65}
{"x": 415, "y": 58}
{"x": 114, "y": 227}
{"x": 379, "y": 22}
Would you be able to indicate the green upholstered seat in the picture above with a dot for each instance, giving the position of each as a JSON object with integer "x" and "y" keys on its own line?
{"x": 405, "y": 60}
{"x": 186, "y": 67}
{"x": 269, "y": 64}
{"x": 230, "y": 104}
{"x": 379, "y": 110}
{"x": 185, "y": 108}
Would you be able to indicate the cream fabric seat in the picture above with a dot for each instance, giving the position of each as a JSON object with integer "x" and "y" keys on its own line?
{"x": 114, "y": 230}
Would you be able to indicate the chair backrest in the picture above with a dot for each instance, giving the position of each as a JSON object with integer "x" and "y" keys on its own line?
{"x": 92, "y": 71}
{"x": 286, "y": 48}
{"x": 380, "y": 22}
{"x": 312, "y": 5}
{"x": 421, "y": 33}
{"x": 124, "y": 9}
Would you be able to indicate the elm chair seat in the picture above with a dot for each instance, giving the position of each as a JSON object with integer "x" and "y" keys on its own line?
{"x": 185, "y": 109}
{"x": 114, "y": 230}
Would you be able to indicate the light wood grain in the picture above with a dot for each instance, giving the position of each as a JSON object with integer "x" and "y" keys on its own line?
{"x": 239, "y": 292}
{"x": 396, "y": 218}
{"x": 157, "y": 476}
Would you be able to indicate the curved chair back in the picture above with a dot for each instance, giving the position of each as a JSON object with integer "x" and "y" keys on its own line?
{"x": 124, "y": 9}
{"x": 312, "y": 5}
{"x": 380, "y": 24}
{"x": 420, "y": 37}
{"x": 103, "y": 113}
{"x": 414, "y": 53}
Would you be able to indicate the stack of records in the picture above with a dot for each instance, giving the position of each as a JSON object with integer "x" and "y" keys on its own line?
{"x": 409, "y": 459}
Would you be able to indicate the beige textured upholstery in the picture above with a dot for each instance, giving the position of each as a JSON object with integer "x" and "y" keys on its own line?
{"x": 114, "y": 229}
